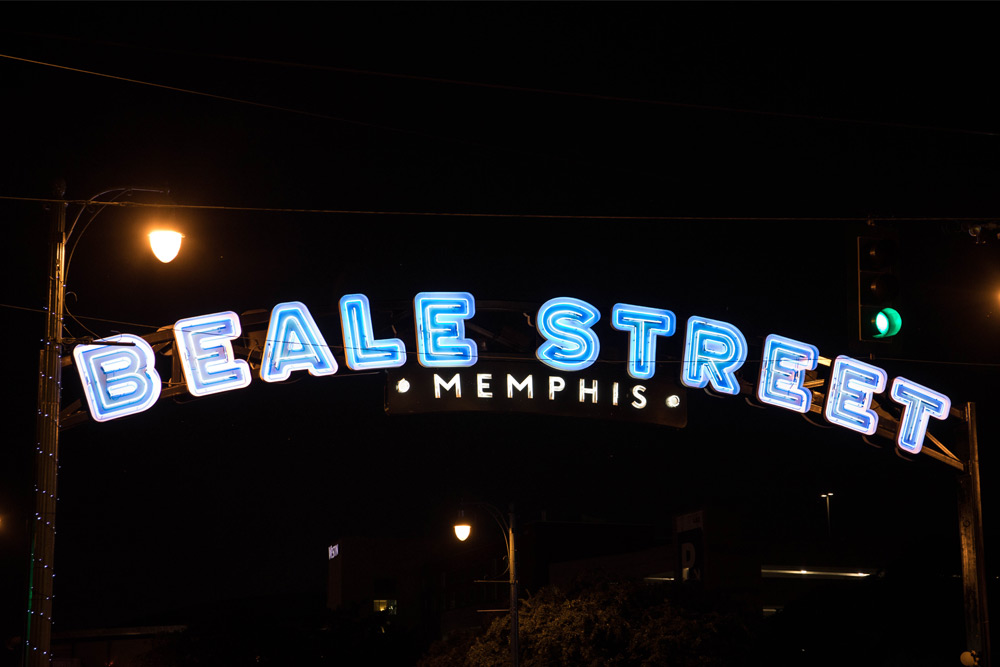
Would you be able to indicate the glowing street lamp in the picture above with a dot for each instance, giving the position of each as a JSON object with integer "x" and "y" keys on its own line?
{"x": 165, "y": 244}
{"x": 463, "y": 529}
{"x": 37, "y": 646}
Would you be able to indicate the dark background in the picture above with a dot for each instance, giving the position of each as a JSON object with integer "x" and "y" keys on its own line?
{"x": 755, "y": 140}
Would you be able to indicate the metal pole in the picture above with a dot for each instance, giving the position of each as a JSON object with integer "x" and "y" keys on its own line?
{"x": 512, "y": 559}
{"x": 829, "y": 529}
{"x": 37, "y": 647}
{"x": 970, "y": 516}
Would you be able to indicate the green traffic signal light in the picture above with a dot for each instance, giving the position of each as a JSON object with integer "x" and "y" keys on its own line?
{"x": 878, "y": 287}
{"x": 888, "y": 322}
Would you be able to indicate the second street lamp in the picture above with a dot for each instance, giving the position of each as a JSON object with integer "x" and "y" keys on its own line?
{"x": 463, "y": 529}
{"x": 38, "y": 635}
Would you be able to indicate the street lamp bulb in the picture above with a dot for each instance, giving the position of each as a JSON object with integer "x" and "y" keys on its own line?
{"x": 462, "y": 531}
{"x": 165, "y": 244}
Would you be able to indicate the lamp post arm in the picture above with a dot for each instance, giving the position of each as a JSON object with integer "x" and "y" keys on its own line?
{"x": 505, "y": 526}
{"x": 96, "y": 199}
{"x": 512, "y": 562}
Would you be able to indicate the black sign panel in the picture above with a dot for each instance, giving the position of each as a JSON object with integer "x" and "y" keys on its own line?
{"x": 603, "y": 391}
{"x": 690, "y": 541}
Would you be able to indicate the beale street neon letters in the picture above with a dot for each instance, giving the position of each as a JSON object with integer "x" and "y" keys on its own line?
{"x": 119, "y": 378}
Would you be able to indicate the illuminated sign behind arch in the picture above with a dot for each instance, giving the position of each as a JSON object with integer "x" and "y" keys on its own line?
{"x": 601, "y": 392}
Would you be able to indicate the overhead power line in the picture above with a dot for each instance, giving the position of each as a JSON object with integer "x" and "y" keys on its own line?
{"x": 509, "y": 149}
{"x": 500, "y": 87}
{"x": 615, "y": 98}
{"x": 188, "y": 91}
{"x": 525, "y": 216}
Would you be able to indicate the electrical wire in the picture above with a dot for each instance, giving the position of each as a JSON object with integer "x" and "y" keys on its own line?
{"x": 506, "y": 148}
{"x": 516, "y": 216}
{"x": 615, "y": 98}
{"x": 509, "y": 88}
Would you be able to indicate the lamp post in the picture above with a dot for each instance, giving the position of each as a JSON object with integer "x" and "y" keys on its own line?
{"x": 829, "y": 530}
{"x": 38, "y": 635}
{"x": 462, "y": 531}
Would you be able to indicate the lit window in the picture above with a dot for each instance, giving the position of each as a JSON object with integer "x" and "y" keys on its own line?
{"x": 388, "y": 606}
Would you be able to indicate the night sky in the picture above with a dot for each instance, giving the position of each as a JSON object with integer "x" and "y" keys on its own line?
{"x": 715, "y": 160}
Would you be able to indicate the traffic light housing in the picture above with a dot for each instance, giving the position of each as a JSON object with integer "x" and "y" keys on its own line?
{"x": 879, "y": 317}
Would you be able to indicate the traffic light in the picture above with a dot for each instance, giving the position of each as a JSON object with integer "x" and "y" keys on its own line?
{"x": 878, "y": 288}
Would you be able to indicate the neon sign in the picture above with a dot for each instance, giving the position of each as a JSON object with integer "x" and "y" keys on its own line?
{"x": 644, "y": 325}
{"x": 119, "y": 378}
{"x": 781, "y": 381}
{"x": 361, "y": 349}
{"x": 921, "y": 403}
{"x": 570, "y": 342}
{"x": 713, "y": 352}
{"x": 853, "y": 385}
{"x": 441, "y": 340}
{"x": 206, "y": 352}
{"x": 294, "y": 343}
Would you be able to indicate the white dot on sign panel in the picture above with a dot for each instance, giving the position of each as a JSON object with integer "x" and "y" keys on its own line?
{"x": 403, "y": 386}
{"x": 673, "y": 401}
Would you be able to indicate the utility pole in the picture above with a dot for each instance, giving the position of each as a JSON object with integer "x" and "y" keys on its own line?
{"x": 970, "y": 518}
{"x": 511, "y": 561}
{"x": 38, "y": 642}
{"x": 829, "y": 528}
